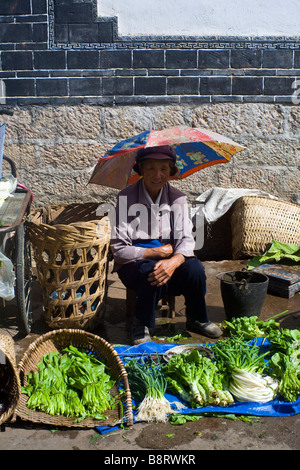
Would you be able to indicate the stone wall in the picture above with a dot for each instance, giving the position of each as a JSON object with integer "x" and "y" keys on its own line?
{"x": 55, "y": 147}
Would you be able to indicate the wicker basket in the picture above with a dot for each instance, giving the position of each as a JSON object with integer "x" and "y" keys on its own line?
{"x": 257, "y": 220}
{"x": 9, "y": 377}
{"x": 70, "y": 247}
{"x": 88, "y": 342}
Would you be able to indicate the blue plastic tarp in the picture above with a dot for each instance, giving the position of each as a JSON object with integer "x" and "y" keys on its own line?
{"x": 275, "y": 408}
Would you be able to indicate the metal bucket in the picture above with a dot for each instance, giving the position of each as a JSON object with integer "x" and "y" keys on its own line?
{"x": 243, "y": 293}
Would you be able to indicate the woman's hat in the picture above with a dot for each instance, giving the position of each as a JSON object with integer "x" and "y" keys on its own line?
{"x": 162, "y": 152}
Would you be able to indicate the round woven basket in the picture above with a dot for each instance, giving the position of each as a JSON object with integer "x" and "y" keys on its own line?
{"x": 257, "y": 220}
{"x": 70, "y": 248}
{"x": 88, "y": 342}
{"x": 9, "y": 377}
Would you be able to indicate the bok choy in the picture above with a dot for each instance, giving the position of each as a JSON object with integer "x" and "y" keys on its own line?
{"x": 197, "y": 380}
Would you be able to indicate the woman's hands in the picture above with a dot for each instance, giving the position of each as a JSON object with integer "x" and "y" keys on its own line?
{"x": 164, "y": 269}
{"x": 166, "y": 264}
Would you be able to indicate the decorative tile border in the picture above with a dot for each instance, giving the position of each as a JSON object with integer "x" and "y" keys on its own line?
{"x": 61, "y": 52}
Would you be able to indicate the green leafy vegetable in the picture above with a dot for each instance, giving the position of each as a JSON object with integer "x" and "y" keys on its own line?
{"x": 283, "y": 368}
{"x": 197, "y": 380}
{"x": 286, "y": 341}
{"x": 278, "y": 252}
{"x": 178, "y": 419}
{"x": 74, "y": 384}
{"x": 284, "y": 364}
{"x": 247, "y": 328}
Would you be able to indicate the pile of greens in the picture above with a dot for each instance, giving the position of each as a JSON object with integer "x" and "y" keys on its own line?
{"x": 284, "y": 363}
{"x": 278, "y": 252}
{"x": 74, "y": 384}
{"x": 197, "y": 380}
{"x": 247, "y": 328}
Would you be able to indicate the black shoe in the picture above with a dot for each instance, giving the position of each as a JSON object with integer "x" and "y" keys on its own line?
{"x": 139, "y": 333}
{"x": 209, "y": 329}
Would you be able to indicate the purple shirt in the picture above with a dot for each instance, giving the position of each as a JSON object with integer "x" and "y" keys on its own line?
{"x": 138, "y": 220}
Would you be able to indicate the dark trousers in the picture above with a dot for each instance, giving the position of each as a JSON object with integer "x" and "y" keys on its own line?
{"x": 188, "y": 279}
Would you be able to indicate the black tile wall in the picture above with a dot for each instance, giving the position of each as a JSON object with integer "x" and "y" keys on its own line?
{"x": 118, "y": 86}
{"x": 247, "y": 86}
{"x": 17, "y": 7}
{"x": 183, "y": 86}
{"x": 51, "y": 87}
{"x": 245, "y": 59}
{"x": 84, "y": 86}
{"x": 49, "y": 60}
{"x": 12, "y": 60}
{"x": 150, "y": 86}
{"x": 215, "y": 86}
{"x": 214, "y": 59}
{"x": 58, "y": 51}
{"x": 39, "y": 6}
{"x": 148, "y": 59}
{"x": 83, "y": 60}
{"x": 181, "y": 59}
{"x": 68, "y": 12}
{"x": 115, "y": 59}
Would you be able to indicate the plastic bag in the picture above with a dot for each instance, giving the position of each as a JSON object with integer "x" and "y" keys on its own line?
{"x": 7, "y": 187}
{"x": 7, "y": 278}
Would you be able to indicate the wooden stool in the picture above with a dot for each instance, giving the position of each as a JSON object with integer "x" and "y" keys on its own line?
{"x": 166, "y": 305}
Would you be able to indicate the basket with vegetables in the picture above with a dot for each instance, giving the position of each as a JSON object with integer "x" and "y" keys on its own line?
{"x": 73, "y": 378}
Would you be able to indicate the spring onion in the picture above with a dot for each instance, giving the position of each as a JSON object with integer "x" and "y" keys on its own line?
{"x": 250, "y": 386}
{"x": 148, "y": 386}
{"x": 245, "y": 367}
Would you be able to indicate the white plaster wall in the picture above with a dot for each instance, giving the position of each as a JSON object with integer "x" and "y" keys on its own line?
{"x": 203, "y": 17}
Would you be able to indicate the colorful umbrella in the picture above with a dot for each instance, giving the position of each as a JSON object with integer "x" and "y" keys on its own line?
{"x": 195, "y": 148}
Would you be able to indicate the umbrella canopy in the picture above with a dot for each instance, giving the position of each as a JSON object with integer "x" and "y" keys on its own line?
{"x": 195, "y": 149}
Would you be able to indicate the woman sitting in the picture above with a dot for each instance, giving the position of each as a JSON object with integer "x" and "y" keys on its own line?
{"x": 153, "y": 246}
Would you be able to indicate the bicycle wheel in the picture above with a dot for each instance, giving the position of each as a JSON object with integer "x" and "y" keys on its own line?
{"x": 23, "y": 271}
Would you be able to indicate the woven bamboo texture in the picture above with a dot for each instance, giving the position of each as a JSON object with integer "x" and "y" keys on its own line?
{"x": 88, "y": 342}
{"x": 9, "y": 377}
{"x": 257, "y": 220}
{"x": 70, "y": 248}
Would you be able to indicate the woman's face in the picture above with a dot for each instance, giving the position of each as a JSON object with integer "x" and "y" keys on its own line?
{"x": 156, "y": 174}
